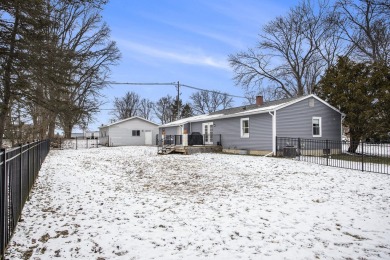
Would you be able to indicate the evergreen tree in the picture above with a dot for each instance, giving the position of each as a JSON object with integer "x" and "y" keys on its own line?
{"x": 186, "y": 111}
{"x": 361, "y": 91}
{"x": 21, "y": 24}
{"x": 55, "y": 57}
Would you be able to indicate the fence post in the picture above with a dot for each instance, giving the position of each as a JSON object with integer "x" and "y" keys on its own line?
{"x": 362, "y": 155}
{"x": 39, "y": 156}
{"x": 3, "y": 202}
{"x": 28, "y": 170}
{"x": 76, "y": 142}
{"x": 299, "y": 148}
{"x": 21, "y": 174}
{"x": 276, "y": 146}
{"x": 327, "y": 154}
{"x": 32, "y": 159}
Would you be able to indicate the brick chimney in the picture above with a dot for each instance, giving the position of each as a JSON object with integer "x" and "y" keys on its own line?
{"x": 259, "y": 100}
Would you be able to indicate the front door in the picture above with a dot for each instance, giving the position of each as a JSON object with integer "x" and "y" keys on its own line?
{"x": 148, "y": 137}
{"x": 207, "y": 131}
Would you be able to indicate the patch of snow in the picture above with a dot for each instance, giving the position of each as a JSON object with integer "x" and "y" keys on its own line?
{"x": 129, "y": 203}
{"x": 382, "y": 149}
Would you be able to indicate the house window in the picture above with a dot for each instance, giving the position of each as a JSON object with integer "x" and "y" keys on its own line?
{"x": 316, "y": 122}
{"x": 136, "y": 133}
{"x": 244, "y": 127}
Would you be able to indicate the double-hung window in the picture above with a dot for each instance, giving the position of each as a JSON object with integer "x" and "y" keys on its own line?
{"x": 244, "y": 127}
{"x": 316, "y": 125}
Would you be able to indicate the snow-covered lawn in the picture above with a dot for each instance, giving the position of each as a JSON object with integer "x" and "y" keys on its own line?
{"x": 382, "y": 149}
{"x": 129, "y": 203}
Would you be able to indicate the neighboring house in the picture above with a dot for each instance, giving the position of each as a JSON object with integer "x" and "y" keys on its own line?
{"x": 255, "y": 127}
{"x": 86, "y": 134}
{"x": 130, "y": 131}
{"x": 77, "y": 135}
{"x": 92, "y": 134}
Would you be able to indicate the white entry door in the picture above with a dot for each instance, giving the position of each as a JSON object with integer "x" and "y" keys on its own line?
{"x": 148, "y": 137}
{"x": 207, "y": 131}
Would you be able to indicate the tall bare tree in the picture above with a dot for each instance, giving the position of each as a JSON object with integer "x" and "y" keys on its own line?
{"x": 86, "y": 39}
{"x": 287, "y": 59}
{"x": 146, "y": 108}
{"x": 366, "y": 27}
{"x": 204, "y": 102}
{"x": 126, "y": 106}
{"x": 163, "y": 109}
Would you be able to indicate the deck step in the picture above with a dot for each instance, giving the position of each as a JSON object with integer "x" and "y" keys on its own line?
{"x": 166, "y": 149}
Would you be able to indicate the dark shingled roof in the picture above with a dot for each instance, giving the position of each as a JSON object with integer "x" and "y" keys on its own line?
{"x": 234, "y": 110}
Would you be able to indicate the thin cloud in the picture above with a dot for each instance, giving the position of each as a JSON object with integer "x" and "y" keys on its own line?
{"x": 231, "y": 41}
{"x": 249, "y": 13}
{"x": 184, "y": 57}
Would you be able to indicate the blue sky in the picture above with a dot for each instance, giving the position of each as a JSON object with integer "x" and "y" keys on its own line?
{"x": 187, "y": 41}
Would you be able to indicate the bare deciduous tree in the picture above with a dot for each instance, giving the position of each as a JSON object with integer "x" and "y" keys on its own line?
{"x": 288, "y": 59}
{"x": 204, "y": 102}
{"x": 366, "y": 27}
{"x": 85, "y": 38}
{"x": 163, "y": 109}
{"x": 146, "y": 108}
{"x": 126, "y": 106}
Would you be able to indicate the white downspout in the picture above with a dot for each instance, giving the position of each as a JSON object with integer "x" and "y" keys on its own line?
{"x": 273, "y": 131}
{"x": 341, "y": 126}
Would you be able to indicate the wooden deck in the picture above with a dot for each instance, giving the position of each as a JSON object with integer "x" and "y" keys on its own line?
{"x": 190, "y": 149}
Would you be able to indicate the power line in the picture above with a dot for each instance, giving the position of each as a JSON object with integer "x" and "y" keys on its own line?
{"x": 173, "y": 84}
{"x": 140, "y": 84}
{"x": 212, "y": 91}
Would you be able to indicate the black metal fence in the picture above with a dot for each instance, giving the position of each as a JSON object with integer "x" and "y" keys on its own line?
{"x": 19, "y": 169}
{"x": 193, "y": 139}
{"x": 75, "y": 143}
{"x": 371, "y": 157}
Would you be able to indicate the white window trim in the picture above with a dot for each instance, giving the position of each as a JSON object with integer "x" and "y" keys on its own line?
{"x": 320, "y": 124}
{"x": 244, "y": 135}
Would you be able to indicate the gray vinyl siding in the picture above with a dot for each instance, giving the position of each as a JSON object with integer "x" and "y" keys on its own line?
{"x": 197, "y": 127}
{"x": 169, "y": 130}
{"x": 260, "y": 132}
{"x": 296, "y": 121}
{"x": 174, "y": 130}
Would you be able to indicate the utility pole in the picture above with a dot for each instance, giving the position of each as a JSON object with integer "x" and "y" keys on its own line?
{"x": 177, "y": 101}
